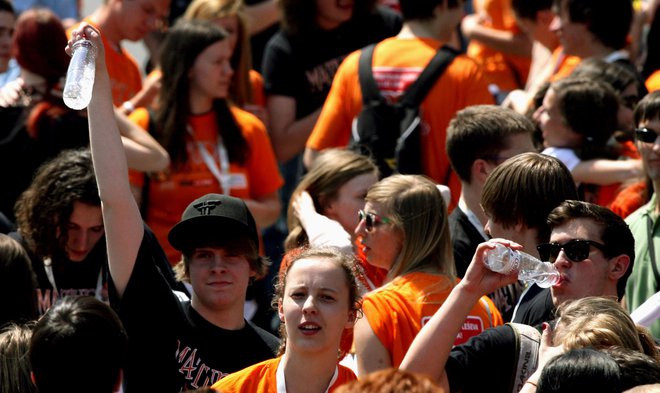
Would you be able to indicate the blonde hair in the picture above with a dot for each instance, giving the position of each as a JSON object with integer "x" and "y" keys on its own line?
{"x": 331, "y": 169}
{"x": 601, "y": 322}
{"x": 14, "y": 363}
{"x": 417, "y": 209}
{"x": 240, "y": 90}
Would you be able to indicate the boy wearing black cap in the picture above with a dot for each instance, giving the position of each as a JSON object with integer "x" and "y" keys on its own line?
{"x": 192, "y": 343}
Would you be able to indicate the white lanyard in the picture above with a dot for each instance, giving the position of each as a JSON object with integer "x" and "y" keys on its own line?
{"x": 48, "y": 266}
{"x": 222, "y": 173}
{"x": 281, "y": 383}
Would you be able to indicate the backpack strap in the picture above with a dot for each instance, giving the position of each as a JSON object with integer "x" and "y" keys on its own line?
{"x": 368, "y": 85}
{"x": 528, "y": 341}
{"x": 417, "y": 91}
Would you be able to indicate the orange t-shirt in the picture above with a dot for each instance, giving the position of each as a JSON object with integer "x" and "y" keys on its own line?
{"x": 125, "y": 76}
{"x": 508, "y": 72}
{"x": 653, "y": 82}
{"x": 397, "y": 311}
{"x": 397, "y": 63}
{"x": 629, "y": 199}
{"x": 170, "y": 194}
{"x": 564, "y": 64}
{"x": 263, "y": 378}
{"x": 257, "y": 84}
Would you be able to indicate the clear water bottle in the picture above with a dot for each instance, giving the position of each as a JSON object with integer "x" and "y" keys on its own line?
{"x": 80, "y": 75}
{"x": 502, "y": 259}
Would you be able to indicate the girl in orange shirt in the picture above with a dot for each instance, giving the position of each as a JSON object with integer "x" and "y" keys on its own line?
{"x": 317, "y": 299}
{"x": 404, "y": 229}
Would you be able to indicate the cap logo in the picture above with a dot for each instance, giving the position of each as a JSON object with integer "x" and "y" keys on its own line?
{"x": 205, "y": 208}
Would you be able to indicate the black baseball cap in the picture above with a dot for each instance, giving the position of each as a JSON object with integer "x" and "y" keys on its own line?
{"x": 213, "y": 216}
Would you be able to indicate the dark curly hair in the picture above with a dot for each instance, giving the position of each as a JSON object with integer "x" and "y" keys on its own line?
{"x": 43, "y": 210}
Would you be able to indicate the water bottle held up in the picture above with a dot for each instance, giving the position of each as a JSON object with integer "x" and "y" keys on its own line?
{"x": 80, "y": 75}
{"x": 502, "y": 259}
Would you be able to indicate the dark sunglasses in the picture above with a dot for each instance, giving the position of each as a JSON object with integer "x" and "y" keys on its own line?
{"x": 646, "y": 135}
{"x": 576, "y": 250}
{"x": 371, "y": 220}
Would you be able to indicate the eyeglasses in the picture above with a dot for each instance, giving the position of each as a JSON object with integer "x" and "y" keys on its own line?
{"x": 646, "y": 135}
{"x": 371, "y": 220}
{"x": 630, "y": 101}
{"x": 576, "y": 250}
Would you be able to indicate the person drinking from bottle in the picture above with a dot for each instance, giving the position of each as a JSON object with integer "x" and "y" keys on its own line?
{"x": 592, "y": 248}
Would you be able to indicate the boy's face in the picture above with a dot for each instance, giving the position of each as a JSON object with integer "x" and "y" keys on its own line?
{"x": 575, "y": 37}
{"x": 219, "y": 277}
{"x": 7, "y": 21}
{"x": 650, "y": 151}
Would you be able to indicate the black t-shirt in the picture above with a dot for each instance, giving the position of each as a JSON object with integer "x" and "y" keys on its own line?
{"x": 464, "y": 238}
{"x": 168, "y": 335}
{"x": 535, "y": 306}
{"x": 84, "y": 278}
{"x": 486, "y": 363}
{"x": 303, "y": 66}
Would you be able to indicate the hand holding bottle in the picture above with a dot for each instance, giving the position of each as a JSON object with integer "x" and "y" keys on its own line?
{"x": 479, "y": 279}
{"x": 505, "y": 260}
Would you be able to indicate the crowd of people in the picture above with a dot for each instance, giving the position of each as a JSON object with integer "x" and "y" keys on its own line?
{"x": 220, "y": 222}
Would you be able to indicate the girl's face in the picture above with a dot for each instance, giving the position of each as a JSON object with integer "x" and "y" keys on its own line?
{"x": 315, "y": 306}
{"x": 350, "y": 199}
{"x": 629, "y": 98}
{"x": 230, "y": 25}
{"x": 211, "y": 72}
{"x": 383, "y": 241}
{"x": 332, "y": 13}
{"x": 551, "y": 121}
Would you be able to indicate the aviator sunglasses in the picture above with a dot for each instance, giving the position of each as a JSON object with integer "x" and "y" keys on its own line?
{"x": 371, "y": 220}
{"x": 646, "y": 135}
{"x": 576, "y": 250}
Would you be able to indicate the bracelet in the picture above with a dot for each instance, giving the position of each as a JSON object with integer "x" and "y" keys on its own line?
{"x": 128, "y": 107}
{"x": 532, "y": 383}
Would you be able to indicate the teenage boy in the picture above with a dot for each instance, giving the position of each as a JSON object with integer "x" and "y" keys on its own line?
{"x": 479, "y": 138}
{"x": 192, "y": 343}
{"x": 398, "y": 61}
{"x": 592, "y": 248}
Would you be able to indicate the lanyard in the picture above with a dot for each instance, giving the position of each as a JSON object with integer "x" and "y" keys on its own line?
{"x": 221, "y": 174}
{"x": 48, "y": 266}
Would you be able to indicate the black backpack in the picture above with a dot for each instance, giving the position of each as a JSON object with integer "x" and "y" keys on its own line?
{"x": 390, "y": 133}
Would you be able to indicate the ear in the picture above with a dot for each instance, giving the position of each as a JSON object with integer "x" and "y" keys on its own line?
{"x": 618, "y": 267}
{"x": 120, "y": 377}
{"x": 480, "y": 170}
{"x": 280, "y": 310}
{"x": 32, "y": 377}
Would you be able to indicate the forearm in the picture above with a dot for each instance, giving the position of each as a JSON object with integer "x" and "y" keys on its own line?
{"x": 263, "y": 15}
{"x": 290, "y": 140}
{"x": 143, "y": 152}
{"x": 265, "y": 211}
{"x": 503, "y": 41}
{"x": 604, "y": 172}
{"x": 440, "y": 333}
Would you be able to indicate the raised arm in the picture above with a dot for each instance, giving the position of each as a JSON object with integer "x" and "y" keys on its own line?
{"x": 441, "y": 330}
{"x": 121, "y": 217}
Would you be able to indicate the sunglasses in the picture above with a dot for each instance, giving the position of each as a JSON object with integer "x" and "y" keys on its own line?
{"x": 646, "y": 135}
{"x": 576, "y": 250}
{"x": 371, "y": 220}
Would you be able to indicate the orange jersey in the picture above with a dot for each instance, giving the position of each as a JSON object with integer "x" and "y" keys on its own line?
{"x": 397, "y": 63}
{"x": 257, "y": 84}
{"x": 508, "y": 72}
{"x": 171, "y": 193}
{"x": 263, "y": 378}
{"x": 397, "y": 311}
{"x": 564, "y": 64}
{"x": 125, "y": 76}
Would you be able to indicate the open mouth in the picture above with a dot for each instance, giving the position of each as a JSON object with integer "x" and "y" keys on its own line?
{"x": 309, "y": 328}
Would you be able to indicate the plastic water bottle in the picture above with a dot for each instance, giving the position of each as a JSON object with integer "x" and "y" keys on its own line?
{"x": 80, "y": 75}
{"x": 502, "y": 259}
